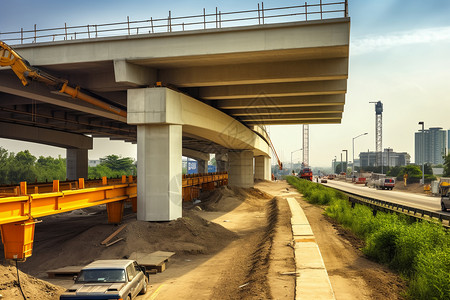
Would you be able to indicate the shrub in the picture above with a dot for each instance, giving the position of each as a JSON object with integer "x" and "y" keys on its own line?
{"x": 418, "y": 250}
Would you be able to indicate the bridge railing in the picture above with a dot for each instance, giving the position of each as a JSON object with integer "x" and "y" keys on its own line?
{"x": 314, "y": 10}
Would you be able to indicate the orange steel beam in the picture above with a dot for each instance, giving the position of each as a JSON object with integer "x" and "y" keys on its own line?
{"x": 45, "y": 187}
{"x": 18, "y": 213}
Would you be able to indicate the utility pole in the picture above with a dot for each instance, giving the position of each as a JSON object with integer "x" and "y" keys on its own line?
{"x": 346, "y": 161}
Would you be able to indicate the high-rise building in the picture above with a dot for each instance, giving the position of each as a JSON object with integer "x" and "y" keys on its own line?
{"x": 430, "y": 148}
{"x": 448, "y": 142}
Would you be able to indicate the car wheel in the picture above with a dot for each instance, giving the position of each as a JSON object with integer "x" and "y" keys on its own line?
{"x": 443, "y": 208}
{"x": 144, "y": 288}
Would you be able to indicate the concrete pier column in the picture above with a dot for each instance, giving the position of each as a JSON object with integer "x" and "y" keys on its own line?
{"x": 240, "y": 168}
{"x": 202, "y": 166}
{"x": 262, "y": 167}
{"x": 76, "y": 163}
{"x": 157, "y": 114}
{"x": 221, "y": 162}
{"x": 159, "y": 172}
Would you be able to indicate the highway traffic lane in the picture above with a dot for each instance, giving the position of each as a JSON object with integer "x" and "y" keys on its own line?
{"x": 413, "y": 200}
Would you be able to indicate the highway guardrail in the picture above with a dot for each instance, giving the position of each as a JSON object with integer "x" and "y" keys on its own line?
{"x": 377, "y": 204}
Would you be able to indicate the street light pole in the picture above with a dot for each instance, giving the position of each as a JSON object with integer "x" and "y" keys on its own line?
{"x": 346, "y": 161}
{"x": 353, "y": 152}
{"x": 423, "y": 152}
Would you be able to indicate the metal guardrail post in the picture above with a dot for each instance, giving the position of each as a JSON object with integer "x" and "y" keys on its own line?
{"x": 346, "y": 8}
{"x": 321, "y": 16}
{"x": 216, "y": 18}
{"x": 306, "y": 11}
{"x": 259, "y": 17}
{"x": 204, "y": 19}
{"x": 262, "y": 11}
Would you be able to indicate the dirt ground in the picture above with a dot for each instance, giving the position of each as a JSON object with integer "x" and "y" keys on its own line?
{"x": 235, "y": 244}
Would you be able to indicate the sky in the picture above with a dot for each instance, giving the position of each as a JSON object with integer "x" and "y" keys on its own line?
{"x": 399, "y": 55}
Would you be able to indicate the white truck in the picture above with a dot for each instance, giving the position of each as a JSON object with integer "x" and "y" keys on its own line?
{"x": 380, "y": 181}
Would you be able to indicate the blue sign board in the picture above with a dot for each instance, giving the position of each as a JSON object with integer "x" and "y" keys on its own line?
{"x": 211, "y": 169}
{"x": 192, "y": 167}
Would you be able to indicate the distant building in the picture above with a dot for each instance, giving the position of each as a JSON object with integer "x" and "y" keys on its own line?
{"x": 448, "y": 142}
{"x": 432, "y": 148}
{"x": 389, "y": 158}
{"x": 93, "y": 162}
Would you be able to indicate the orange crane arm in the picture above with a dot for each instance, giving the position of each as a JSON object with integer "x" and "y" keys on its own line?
{"x": 23, "y": 70}
{"x": 280, "y": 164}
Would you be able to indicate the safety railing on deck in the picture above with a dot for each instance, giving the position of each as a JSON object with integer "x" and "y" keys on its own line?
{"x": 314, "y": 10}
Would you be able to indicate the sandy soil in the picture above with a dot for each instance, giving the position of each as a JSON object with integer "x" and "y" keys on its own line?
{"x": 234, "y": 245}
{"x": 352, "y": 275}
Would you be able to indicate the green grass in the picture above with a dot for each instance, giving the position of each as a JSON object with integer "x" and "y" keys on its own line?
{"x": 420, "y": 251}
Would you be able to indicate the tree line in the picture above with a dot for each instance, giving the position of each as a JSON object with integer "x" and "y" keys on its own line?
{"x": 24, "y": 166}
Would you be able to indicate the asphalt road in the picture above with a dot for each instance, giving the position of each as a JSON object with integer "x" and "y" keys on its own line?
{"x": 429, "y": 203}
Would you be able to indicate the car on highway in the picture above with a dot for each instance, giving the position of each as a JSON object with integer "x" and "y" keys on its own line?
{"x": 108, "y": 279}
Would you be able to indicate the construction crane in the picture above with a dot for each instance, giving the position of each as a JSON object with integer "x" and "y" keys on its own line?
{"x": 378, "y": 132}
{"x": 306, "y": 145}
{"x": 25, "y": 72}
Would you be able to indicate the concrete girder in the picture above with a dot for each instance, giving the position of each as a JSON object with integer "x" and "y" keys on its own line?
{"x": 304, "y": 117}
{"x": 197, "y": 155}
{"x": 274, "y": 90}
{"x": 165, "y": 106}
{"x": 285, "y": 111}
{"x": 49, "y": 137}
{"x": 293, "y": 122}
{"x": 39, "y": 92}
{"x": 277, "y": 102}
{"x": 257, "y": 73}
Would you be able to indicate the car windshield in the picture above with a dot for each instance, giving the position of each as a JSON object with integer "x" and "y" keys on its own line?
{"x": 103, "y": 275}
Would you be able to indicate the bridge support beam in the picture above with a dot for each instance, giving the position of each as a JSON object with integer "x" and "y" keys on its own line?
{"x": 202, "y": 166}
{"x": 240, "y": 168}
{"x": 221, "y": 162}
{"x": 262, "y": 167}
{"x": 76, "y": 163}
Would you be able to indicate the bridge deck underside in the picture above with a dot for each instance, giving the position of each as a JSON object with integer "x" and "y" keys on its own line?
{"x": 292, "y": 73}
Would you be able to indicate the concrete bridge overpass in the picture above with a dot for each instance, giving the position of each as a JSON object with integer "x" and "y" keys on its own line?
{"x": 186, "y": 93}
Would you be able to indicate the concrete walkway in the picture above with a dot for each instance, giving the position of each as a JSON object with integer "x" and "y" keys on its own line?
{"x": 312, "y": 278}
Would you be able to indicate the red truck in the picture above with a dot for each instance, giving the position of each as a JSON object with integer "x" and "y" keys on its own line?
{"x": 306, "y": 173}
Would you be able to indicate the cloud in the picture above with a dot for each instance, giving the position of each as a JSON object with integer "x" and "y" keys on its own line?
{"x": 391, "y": 40}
